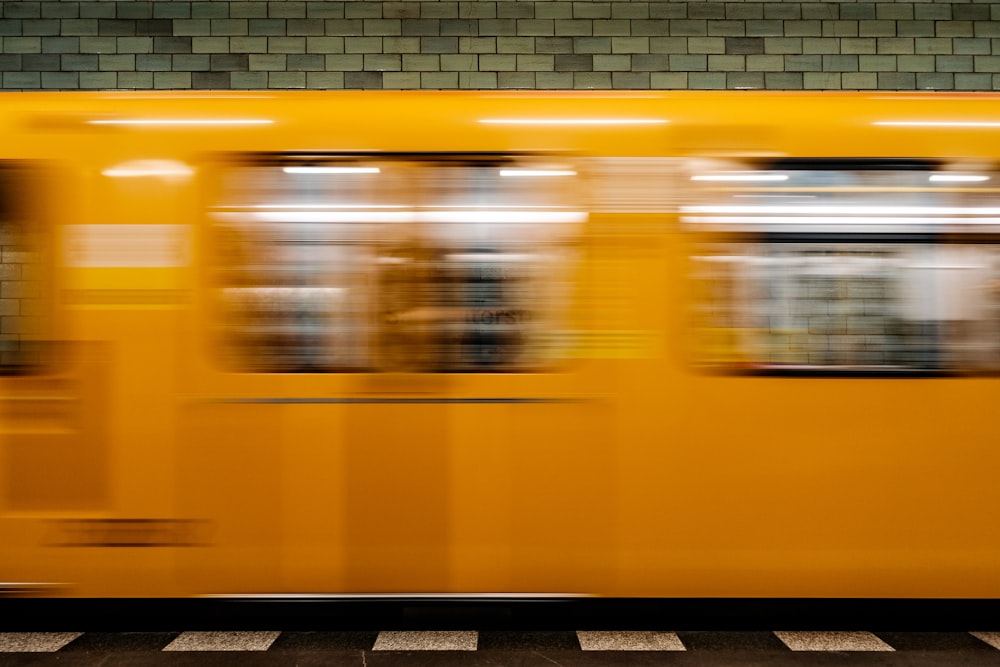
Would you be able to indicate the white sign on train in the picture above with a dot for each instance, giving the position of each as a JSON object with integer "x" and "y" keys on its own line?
{"x": 142, "y": 246}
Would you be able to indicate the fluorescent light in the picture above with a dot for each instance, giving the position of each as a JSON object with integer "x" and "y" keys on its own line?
{"x": 281, "y": 217}
{"x": 774, "y": 196}
{"x": 331, "y": 170}
{"x": 958, "y": 178}
{"x": 310, "y": 207}
{"x": 740, "y": 177}
{"x": 487, "y": 257}
{"x": 537, "y": 172}
{"x": 180, "y": 121}
{"x": 450, "y": 216}
{"x": 573, "y": 121}
{"x": 155, "y": 168}
{"x": 806, "y": 211}
{"x": 843, "y": 220}
{"x": 528, "y": 217}
{"x": 938, "y": 123}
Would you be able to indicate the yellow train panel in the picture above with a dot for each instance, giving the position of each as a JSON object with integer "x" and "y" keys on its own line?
{"x": 690, "y": 354}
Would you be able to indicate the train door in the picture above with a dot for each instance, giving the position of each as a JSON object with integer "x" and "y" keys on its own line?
{"x": 381, "y": 395}
{"x": 278, "y": 351}
{"x": 54, "y": 458}
{"x": 527, "y": 435}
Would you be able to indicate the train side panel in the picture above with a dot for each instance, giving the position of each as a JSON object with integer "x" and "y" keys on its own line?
{"x": 158, "y": 441}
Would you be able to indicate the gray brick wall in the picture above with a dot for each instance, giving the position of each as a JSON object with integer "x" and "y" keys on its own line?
{"x": 431, "y": 44}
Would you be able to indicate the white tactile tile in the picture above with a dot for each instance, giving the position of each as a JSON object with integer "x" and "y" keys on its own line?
{"x": 629, "y": 641}
{"x": 991, "y": 638}
{"x": 35, "y": 642}
{"x": 465, "y": 640}
{"x": 222, "y": 641}
{"x": 832, "y": 641}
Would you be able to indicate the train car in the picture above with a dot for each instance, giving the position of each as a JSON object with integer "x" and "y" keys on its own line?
{"x": 619, "y": 345}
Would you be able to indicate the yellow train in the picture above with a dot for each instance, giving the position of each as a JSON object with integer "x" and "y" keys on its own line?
{"x": 670, "y": 345}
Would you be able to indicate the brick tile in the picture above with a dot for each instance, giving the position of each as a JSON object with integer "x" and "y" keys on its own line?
{"x": 325, "y": 45}
{"x": 58, "y": 10}
{"x": 37, "y": 62}
{"x": 98, "y": 10}
{"x": 172, "y": 80}
{"x": 516, "y": 9}
{"x": 172, "y": 45}
{"x": 477, "y": 10}
{"x": 186, "y": 27}
{"x": 554, "y": 80}
{"x": 535, "y": 63}
{"x": 178, "y": 10}
{"x": 707, "y": 80}
{"x": 788, "y": 11}
{"x": 593, "y": 10}
{"x": 209, "y": 10}
{"x": 935, "y": 81}
{"x": 316, "y": 80}
{"x": 592, "y": 80}
{"x": 363, "y": 10}
{"x": 363, "y": 80}
{"x": 102, "y": 44}
{"x": 438, "y": 80}
{"x": 636, "y": 10}
{"x": 459, "y": 62}
{"x": 727, "y": 63}
{"x": 580, "y": 28}
{"x": 380, "y": 27}
{"x": 39, "y": 27}
{"x": 78, "y": 63}
{"x": 552, "y": 45}
{"x": 440, "y": 10}
{"x": 976, "y": 81}
{"x": 286, "y": 9}
{"x": 840, "y": 29}
{"x": 897, "y": 81}
{"x": 60, "y": 80}
{"x": 60, "y": 45}
{"x": 612, "y": 28}
{"x": 668, "y": 80}
{"x": 585, "y": 63}
{"x": 10, "y": 27}
{"x": 247, "y": 44}
{"x": 98, "y": 80}
{"x": 484, "y": 80}
{"x": 745, "y": 10}
{"x": 22, "y": 10}
{"x": 744, "y": 80}
{"x": 859, "y": 81}
{"x": 154, "y": 27}
{"x": 135, "y": 80}
{"x": 210, "y": 80}
{"x": 524, "y": 45}
{"x": 516, "y": 80}
{"x": 593, "y": 45}
{"x": 544, "y": 10}
{"x": 319, "y": 9}
{"x": 613, "y": 63}
{"x": 116, "y": 27}
{"x": 821, "y": 81}
{"x": 783, "y": 80}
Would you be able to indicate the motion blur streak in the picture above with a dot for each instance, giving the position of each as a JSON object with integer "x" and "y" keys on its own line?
{"x": 464, "y": 345}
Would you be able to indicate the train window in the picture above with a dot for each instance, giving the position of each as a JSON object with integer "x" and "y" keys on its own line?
{"x": 396, "y": 264}
{"x": 294, "y": 243}
{"x": 22, "y": 273}
{"x": 859, "y": 268}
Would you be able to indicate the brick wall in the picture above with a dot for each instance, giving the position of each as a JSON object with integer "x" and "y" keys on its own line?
{"x": 171, "y": 44}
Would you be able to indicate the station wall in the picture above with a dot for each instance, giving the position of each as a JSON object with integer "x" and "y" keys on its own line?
{"x": 443, "y": 44}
